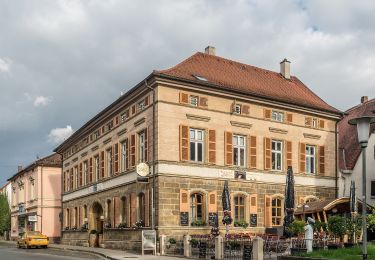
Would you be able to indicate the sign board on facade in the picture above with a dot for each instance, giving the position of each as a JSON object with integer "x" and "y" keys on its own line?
{"x": 253, "y": 220}
{"x": 184, "y": 218}
{"x": 32, "y": 218}
{"x": 240, "y": 175}
{"x": 143, "y": 169}
{"x": 213, "y": 219}
{"x": 148, "y": 241}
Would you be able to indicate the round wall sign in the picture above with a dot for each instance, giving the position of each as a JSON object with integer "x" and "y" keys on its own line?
{"x": 143, "y": 169}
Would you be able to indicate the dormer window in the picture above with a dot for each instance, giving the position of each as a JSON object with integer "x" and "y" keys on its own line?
{"x": 237, "y": 109}
{"x": 200, "y": 78}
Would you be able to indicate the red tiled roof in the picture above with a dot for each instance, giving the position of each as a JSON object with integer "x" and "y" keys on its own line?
{"x": 349, "y": 147}
{"x": 252, "y": 80}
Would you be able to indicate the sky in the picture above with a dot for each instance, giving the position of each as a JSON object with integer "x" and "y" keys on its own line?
{"x": 62, "y": 62}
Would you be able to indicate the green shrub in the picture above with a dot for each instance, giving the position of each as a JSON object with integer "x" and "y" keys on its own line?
{"x": 297, "y": 227}
{"x": 172, "y": 240}
{"x": 241, "y": 223}
{"x": 337, "y": 226}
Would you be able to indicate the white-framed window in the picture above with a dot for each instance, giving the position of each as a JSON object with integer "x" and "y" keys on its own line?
{"x": 196, "y": 145}
{"x": 314, "y": 123}
{"x": 277, "y": 155}
{"x": 96, "y": 167}
{"x": 239, "y": 150}
{"x": 237, "y": 109}
{"x": 194, "y": 100}
{"x": 109, "y": 163}
{"x": 277, "y": 116}
{"x": 141, "y": 105}
{"x": 239, "y": 208}
{"x": 124, "y": 116}
{"x": 142, "y": 147}
{"x": 85, "y": 173}
{"x": 124, "y": 156}
{"x": 277, "y": 214}
{"x": 310, "y": 159}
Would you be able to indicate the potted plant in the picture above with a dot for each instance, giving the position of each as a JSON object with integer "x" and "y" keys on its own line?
{"x": 194, "y": 242}
{"x": 138, "y": 224}
{"x": 122, "y": 225}
{"x": 241, "y": 223}
{"x": 297, "y": 229}
{"x": 198, "y": 223}
{"x": 353, "y": 228}
{"x": 336, "y": 225}
{"x": 84, "y": 227}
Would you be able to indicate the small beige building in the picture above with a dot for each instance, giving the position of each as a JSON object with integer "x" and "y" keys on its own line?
{"x": 204, "y": 121}
{"x": 36, "y": 198}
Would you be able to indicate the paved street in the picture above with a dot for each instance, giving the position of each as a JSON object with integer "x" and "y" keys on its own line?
{"x": 10, "y": 251}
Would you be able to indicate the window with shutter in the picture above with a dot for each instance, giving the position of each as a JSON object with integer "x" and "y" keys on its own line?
{"x": 245, "y": 109}
{"x": 133, "y": 109}
{"x": 321, "y": 123}
{"x": 203, "y": 102}
{"x": 288, "y": 145}
{"x": 147, "y": 100}
{"x": 267, "y": 113}
{"x": 267, "y": 211}
{"x": 321, "y": 160}
{"x": 132, "y": 150}
{"x": 184, "y": 143}
{"x": 184, "y": 98}
{"x": 289, "y": 118}
{"x": 184, "y": 208}
{"x": 302, "y": 157}
{"x": 90, "y": 171}
{"x": 308, "y": 121}
{"x": 102, "y": 162}
{"x": 146, "y": 145}
{"x": 267, "y": 153}
{"x": 116, "y": 158}
{"x": 228, "y": 148}
{"x": 212, "y": 146}
{"x": 212, "y": 202}
{"x": 253, "y": 152}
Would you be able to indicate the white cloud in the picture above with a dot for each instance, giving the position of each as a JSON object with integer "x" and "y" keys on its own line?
{"x": 58, "y": 135}
{"x": 5, "y": 65}
{"x": 42, "y": 101}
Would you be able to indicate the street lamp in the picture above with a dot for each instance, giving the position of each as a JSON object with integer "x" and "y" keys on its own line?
{"x": 304, "y": 206}
{"x": 363, "y": 130}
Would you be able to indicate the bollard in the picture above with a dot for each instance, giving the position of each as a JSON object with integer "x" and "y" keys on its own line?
{"x": 257, "y": 248}
{"x": 187, "y": 247}
{"x": 219, "y": 249}
{"x": 162, "y": 244}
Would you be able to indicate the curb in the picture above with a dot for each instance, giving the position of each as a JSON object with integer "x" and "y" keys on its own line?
{"x": 86, "y": 251}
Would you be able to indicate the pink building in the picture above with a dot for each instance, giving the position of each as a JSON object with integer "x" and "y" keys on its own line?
{"x": 36, "y": 198}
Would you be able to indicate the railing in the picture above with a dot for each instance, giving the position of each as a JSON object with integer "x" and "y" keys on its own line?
{"x": 174, "y": 246}
{"x": 238, "y": 248}
{"x": 274, "y": 245}
{"x": 202, "y": 246}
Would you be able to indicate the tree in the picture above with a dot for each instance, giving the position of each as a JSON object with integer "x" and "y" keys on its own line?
{"x": 371, "y": 221}
{"x": 297, "y": 227}
{"x": 354, "y": 227}
{"x": 4, "y": 214}
{"x": 337, "y": 226}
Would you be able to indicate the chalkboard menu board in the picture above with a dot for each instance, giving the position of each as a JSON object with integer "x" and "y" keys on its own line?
{"x": 184, "y": 218}
{"x": 202, "y": 249}
{"x": 247, "y": 250}
{"x": 213, "y": 219}
{"x": 253, "y": 220}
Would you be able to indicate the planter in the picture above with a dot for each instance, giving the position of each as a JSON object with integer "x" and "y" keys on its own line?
{"x": 297, "y": 251}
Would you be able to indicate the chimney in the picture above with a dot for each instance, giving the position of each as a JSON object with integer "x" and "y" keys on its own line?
{"x": 285, "y": 68}
{"x": 364, "y": 99}
{"x": 19, "y": 168}
{"x": 210, "y": 50}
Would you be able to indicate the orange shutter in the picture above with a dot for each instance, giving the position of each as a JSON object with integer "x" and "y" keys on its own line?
{"x": 212, "y": 146}
{"x": 90, "y": 171}
{"x": 147, "y": 208}
{"x": 289, "y": 118}
{"x": 184, "y": 143}
{"x": 321, "y": 160}
{"x": 146, "y": 144}
{"x": 132, "y": 150}
{"x": 253, "y": 205}
{"x": 203, "y": 101}
{"x": 253, "y": 152}
{"x": 267, "y": 113}
{"x": 102, "y": 162}
{"x": 212, "y": 202}
{"x": 127, "y": 154}
{"x": 308, "y": 121}
{"x": 302, "y": 157}
{"x": 321, "y": 123}
{"x": 288, "y": 153}
{"x": 245, "y": 110}
{"x": 184, "y": 202}
{"x": 133, "y": 209}
{"x": 267, "y": 211}
{"x": 228, "y": 148}
{"x": 184, "y": 98}
{"x": 116, "y": 159}
{"x": 267, "y": 153}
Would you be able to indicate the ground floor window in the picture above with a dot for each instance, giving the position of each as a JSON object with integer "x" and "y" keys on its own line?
{"x": 196, "y": 209}
{"x": 239, "y": 208}
{"x": 276, "y": 212}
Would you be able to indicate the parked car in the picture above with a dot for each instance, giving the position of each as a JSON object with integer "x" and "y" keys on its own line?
{"x": 32, "y": 239}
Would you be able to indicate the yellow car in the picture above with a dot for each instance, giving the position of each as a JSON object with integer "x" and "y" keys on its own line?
{"x": 32, "y": 238}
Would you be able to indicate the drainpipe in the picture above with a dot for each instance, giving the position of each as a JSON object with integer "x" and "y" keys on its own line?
{"x": 337, "y": 159}
{"x": 41, "y": 197}
{"x": 153, "y": 155}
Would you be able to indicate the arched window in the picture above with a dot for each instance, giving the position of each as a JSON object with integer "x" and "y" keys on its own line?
{"x": 239, "y": 208}
{"x": 276, "y": 211}
{"x": 197, "y": 207}
{"x": 124, "y": 211}
{"x": 141, "y": 207}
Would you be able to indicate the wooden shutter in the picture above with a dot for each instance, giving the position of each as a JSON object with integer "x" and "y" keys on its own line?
{"x": 127, "y": 154}
{"x": 203, "y": 102}
{"x": 289, "y": 153}
{"x": 184, "y": 201}
{"x": 321, "y": 123}
{"x": 212, "y": 146}
{"x": 91, "y": 177}
{"x": 132, "y": 150}
{"x": 146, "y": 101}
{"x": 80, "y": 175}
{"x": 302, "y": 157}
{"x": 102, "y": 163}
{"x": 253, "y": 205}
{"x": 267, "y": 113}
{"x": 308, "y": 121}
{"x": 147, "y": 208}
{"x": 184, "y": 98}
{"x": 267, "y": 153}
{"x": 321, "y": 160}
{"x": 146, "y": 144}
{"x": 253, "y": 152}
{"x": 184, "y": 143}
{"x": 133, "y": 209}
{"x": 212, "y": 202}
{"x": 267, "y": 211}
{"x": 117, "y": 120}
{"x": 289, "y": 118}
{"x": 133, "y": 109}
{"x": 116, "y": 158}
{"x": 245, "y": 109}
{"x": 228, "y": 148}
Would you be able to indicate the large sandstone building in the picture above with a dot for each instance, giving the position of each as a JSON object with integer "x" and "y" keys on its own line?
{"x": 204, "y": 121}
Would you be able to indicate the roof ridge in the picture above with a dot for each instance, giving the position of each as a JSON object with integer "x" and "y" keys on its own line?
{"x": 178, "y": 64}
{"x": 360, "y": 104}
